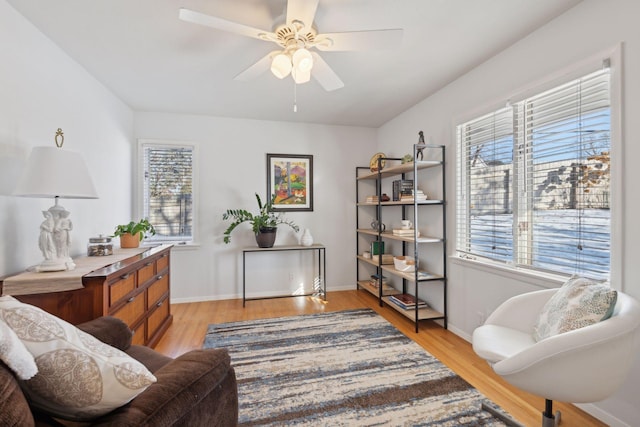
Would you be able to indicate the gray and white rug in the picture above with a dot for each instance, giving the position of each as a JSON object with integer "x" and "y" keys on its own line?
{"x": 348, "y": 368}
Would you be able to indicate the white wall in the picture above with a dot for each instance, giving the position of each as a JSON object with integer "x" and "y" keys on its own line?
{"x": 42, "y": 89}
{"x": 232, "y": 167}
{"x": 590, "y": 27}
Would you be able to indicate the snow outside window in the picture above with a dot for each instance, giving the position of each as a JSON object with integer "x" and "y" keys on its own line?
{"x": 533, "y": 181}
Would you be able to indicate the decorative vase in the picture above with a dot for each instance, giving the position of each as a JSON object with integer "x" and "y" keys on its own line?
{"x": 128, "y": 240}
{"x": 307, "y": 238}
{"x": 266, "y": 237}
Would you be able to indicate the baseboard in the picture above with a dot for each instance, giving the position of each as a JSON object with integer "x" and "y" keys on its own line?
{"x": 251, "y": 295}
{"x": 603, "y": 416}
{"x": 202, "y": 299}
{"x": 459, "y": 332}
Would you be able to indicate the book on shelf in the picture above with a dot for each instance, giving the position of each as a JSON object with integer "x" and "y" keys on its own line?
{"x": 404, "y": 232}
{"x": 372, "y": 199}
{"x": 375, "y": 282}
{"x": 407, "y": 301}
{"x": 422, "y": 275}
{"x": 386, "y": 288}
{"x": 386, "y": 258}
{"x": 401, "y": 186}
{"x": 419, "y": 196}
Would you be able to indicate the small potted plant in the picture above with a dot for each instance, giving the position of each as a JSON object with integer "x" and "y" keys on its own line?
{"x": 264, "y": 223}
{"x": 131, "y": 234}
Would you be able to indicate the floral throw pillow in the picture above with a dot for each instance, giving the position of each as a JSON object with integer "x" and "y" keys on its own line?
{"x": 79, "y": 377}
{"x": 578, "y": 303}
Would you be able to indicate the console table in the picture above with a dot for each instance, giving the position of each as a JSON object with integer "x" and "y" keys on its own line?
{"x": 322, "y": 269}
{"x": 132, "y": 285}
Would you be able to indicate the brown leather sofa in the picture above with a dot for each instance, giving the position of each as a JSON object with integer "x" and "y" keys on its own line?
{"x": 196, "y": 389}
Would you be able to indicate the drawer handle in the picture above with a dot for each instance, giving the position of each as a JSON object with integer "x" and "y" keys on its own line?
{"x": 159, "y": 304}
{"x": 165, "y": 255}
{"x": 148, "y": 264}
{"x": 160, "y": 277}
{"x": 125, "y": 276}
{"x": 131, "y": 299}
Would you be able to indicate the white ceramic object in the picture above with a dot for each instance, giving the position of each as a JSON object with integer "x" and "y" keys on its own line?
{"x": 307, "y": 238}
{"x": 404, "y": 263}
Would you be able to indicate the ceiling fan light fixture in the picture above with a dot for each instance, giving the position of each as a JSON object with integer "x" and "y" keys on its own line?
{"x": 300, "y": 76}
{"x": 281, "y": 65}
{"x": 302, "y": 60}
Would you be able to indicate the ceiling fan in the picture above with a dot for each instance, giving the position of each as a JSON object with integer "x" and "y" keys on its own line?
{"x": 297, "y": 38}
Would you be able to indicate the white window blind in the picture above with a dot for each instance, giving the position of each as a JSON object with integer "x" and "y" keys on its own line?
{"x": 534, "y": 181}
{"x": 167, "y": 190}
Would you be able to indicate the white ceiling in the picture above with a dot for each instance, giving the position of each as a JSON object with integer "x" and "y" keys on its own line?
{"x": 155, "y": 62}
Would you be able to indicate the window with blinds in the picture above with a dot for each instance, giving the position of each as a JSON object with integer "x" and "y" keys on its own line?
{"x": 534, "y": 181}
{"x": 167, "y": 190}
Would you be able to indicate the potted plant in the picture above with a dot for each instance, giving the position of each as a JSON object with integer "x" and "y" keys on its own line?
{"x": 131, "y": 234}
{"x": 264, "y": 223}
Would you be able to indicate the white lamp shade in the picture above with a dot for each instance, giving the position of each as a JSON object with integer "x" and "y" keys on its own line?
{"x": 281, "y": 66}
{"x": 54, "y": 172}
{"x": 300, "y": 76}
{"x": 302, "y": 60}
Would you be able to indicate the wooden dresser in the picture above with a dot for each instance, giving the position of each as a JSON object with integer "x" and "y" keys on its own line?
{"x": 134, "y": 289}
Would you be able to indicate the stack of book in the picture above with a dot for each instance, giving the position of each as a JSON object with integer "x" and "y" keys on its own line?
{"x": 419, "y": 196}
{"x": 407, "y": 301}
{"x": 375, "y": 282}
{"x": 386, "y": 258}
{"x": 400, "y": 187}
{"x": 423, "y": 275}
{"x": 372, "y": 199}
{"x": 406, "y": 232}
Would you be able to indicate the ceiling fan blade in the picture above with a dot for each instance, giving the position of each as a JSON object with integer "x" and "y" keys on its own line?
{"x": 302, "y": 10}
{"x": 222, "y": 24}
{"x": 321, "y": 71}
{"x": 359, "y": 40}
{"x": 256, "y": 69}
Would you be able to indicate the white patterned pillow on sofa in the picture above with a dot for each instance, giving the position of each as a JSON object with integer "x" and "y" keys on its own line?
{"x": 578, "y": 303}
{"x": 79, "y": 377}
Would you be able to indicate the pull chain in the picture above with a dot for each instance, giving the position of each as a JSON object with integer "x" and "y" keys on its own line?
{"x": 295, "y": 97}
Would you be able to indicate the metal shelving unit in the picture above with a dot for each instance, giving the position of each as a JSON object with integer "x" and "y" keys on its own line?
{"x": 383, "y": 210}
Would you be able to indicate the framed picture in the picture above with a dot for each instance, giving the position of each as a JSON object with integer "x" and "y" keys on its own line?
{"x": 290, "y": 178}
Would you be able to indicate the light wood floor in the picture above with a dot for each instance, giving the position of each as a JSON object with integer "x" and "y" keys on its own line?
{"x": 191, "y": 321}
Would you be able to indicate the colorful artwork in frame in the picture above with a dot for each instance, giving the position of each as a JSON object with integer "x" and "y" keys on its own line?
{"x": 290, "y": 178}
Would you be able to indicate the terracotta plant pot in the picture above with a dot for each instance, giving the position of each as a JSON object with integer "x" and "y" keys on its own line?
{"x": 266, "y": 237}
{"x": 129, "y": 240}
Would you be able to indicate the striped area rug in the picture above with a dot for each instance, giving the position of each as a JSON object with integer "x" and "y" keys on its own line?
{"x": 348, "y": 368}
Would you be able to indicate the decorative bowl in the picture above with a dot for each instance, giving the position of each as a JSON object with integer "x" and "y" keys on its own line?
{"x": 404, "y": 263}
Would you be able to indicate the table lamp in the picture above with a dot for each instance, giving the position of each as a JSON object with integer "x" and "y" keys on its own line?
{"x": 60, "y": 174}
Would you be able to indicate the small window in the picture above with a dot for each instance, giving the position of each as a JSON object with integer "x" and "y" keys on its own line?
{"x": 167, "y": 189}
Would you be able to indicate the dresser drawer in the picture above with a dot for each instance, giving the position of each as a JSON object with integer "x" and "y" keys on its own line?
{"x": 145, "y": 272}
{"x": 132, "y": 310}
{"x": 162, "y": 262}
{"x": 158, "y": 317}
{"x": 139, "y": 334}
{"x": 120, "y": 288}
{"x": 157, "y": 290}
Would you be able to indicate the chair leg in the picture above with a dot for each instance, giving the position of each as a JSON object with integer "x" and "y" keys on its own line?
{"x": 548, "y": 419}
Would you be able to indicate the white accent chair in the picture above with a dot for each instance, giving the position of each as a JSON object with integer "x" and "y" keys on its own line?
{"x": 580, "y": 366}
